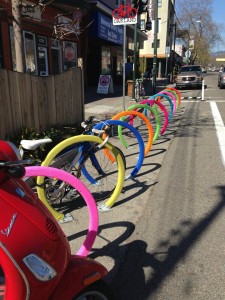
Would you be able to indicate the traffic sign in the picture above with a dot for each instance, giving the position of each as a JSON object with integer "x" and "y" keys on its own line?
{"x": 124, "y": 21}
{"x": 124, "y": 14}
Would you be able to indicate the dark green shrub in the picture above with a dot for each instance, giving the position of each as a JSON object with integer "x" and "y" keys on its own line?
{"x": 57, "y": 133}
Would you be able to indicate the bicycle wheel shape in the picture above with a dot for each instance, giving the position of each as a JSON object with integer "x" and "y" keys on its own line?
{"x": 138, "y": 137}
{"x": 131, "y": 13}
{"x": 162, "y": 107}
{"x": 117, "y": 13}
{"x": 99, "y": 173}
{"x": 122, "y": 115}
{"x": 173, "y": 91}
{"x": 155, "y": 114}
{"x": 176, "y": 93}
{"x": 118, "y": 169}
{"x": 173, "y": 98}
{"x": 83, "y": 191}
{"x": 168, "y": 99}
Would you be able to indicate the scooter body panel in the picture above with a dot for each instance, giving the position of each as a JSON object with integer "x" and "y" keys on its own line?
{"x": 79, "y": 269}
{"x": 26, "y": 227}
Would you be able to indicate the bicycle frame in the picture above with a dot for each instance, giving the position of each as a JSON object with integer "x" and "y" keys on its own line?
{"x": 69, "y": 143}
{"x": 84, "y": 150}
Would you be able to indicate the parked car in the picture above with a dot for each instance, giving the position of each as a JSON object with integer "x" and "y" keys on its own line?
{"x": 221, "y": 78}
{"x": 189, "y": 76}
{"x": 204, "y": 70}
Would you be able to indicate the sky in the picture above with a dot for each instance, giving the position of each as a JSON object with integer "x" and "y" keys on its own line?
{"x": 218, "y": 15}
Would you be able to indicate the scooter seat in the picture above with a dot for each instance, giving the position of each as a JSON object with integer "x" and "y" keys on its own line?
{"x": 34, "y": 144}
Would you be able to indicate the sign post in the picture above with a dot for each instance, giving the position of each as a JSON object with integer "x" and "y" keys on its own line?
{"x": 123, "y": 15}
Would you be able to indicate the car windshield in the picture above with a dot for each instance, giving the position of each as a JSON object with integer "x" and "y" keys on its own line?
{"x": 190, "y": 69}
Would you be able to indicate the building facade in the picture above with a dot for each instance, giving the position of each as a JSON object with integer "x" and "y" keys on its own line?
{"x": 105, "y": 41}
{"x": 165, "y": 40}
{"x": 45, "y": 36}
{"x": 54, "y": 36}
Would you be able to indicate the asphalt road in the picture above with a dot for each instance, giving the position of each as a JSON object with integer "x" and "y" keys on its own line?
{"x": 177, "y": 248}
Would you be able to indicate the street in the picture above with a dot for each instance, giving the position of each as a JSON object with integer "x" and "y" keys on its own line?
{"x": 176, "y": 250}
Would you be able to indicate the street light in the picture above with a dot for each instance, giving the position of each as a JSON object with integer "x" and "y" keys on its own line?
{"x": 200, "y": 27}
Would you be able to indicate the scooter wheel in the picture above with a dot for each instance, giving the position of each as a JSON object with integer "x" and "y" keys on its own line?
{"x": 98, "y": 290}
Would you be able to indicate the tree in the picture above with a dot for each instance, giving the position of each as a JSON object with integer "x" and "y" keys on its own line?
{"x": 18, "y": 36}
{"x": 195, "y": 22}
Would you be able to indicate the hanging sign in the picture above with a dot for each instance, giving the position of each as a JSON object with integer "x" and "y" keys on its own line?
{"x": 105, "y": 84}
{"x": 124, "y": 14}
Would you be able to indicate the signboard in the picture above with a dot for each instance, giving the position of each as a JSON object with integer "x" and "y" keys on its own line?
{"x": 107, "y": 31}
{"x": 150, "y": 9}
{"x": 124, "y": 14}
{"x": 105, "y": 84}
{"x": 125, "y": 21}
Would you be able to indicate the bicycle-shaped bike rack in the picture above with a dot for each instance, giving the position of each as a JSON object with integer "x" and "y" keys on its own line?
{"x": 124, "y": 11}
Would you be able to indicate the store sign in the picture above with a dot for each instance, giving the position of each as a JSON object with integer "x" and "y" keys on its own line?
{"x": 150, "y": 9}
{"x": 109, "y": 32}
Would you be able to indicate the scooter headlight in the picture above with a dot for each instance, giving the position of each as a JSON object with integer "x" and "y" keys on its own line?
{"x": 39, "y": 268}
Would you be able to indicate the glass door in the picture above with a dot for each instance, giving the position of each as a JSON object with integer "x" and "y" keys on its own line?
{"x": 30, "y": 53}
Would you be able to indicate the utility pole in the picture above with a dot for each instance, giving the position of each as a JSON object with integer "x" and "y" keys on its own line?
{"x": 154, "y": 70}
{"x": 135, "y": 61}
{"x": 124, "y": 60}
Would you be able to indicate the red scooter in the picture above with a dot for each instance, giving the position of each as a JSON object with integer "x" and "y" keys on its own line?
{"x": 35, "y": 257}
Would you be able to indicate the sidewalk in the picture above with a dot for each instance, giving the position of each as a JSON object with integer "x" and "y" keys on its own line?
{"x": 105, "y": 106}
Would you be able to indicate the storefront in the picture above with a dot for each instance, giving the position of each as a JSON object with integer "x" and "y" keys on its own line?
{"x": 105, "y": 51}
{"x": 45, "y": 50}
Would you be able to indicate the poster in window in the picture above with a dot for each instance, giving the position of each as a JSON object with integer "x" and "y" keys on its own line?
{"x": 70, "y": 55}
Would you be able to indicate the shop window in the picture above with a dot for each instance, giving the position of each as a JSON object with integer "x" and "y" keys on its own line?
{"x": 130, "y": 44}
{"x": 158, "y": 44}
{"x": 70, "y": 55}
{"x": 56, "y": 56}
{"x": 30, "y": 53}
{"x": 119, "y": 63}
{"x": 142, "y": 24}
{"x": 106, "y": 60}
{"x": 42, "y": 55}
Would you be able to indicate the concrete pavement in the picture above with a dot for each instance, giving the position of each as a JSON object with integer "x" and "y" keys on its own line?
{"x": 117, "y": 225}
{"x": 105, "y": 106}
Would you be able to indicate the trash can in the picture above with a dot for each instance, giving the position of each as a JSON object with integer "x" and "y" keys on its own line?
{"x": 129, "y": 88}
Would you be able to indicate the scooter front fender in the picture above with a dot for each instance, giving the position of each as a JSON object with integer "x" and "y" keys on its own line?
{"x": 81, "y": 272}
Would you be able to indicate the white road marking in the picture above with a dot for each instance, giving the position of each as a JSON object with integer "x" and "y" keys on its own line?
{"x": 199, "y": 100}
{"x": 220, "y": 129}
